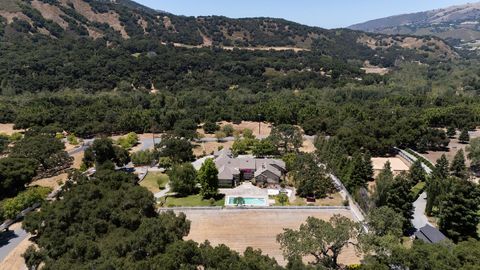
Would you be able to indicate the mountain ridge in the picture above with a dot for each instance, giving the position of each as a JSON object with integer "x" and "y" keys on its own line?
{"x": 458, "y": 24}
{"x": 119, "y": 20}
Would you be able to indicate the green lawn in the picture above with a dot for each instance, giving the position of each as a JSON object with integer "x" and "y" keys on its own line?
{"x": 155, "y": 181}
{"x": 192, "y": 200}
{"x": 417, "y": 189}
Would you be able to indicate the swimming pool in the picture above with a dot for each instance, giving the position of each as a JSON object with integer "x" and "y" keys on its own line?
{"x": 246, "y": 201}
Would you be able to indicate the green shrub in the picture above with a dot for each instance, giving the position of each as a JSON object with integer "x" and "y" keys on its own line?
{"x": 72, "y": 139}
{"x": 10, "y": 208}
{"x": 128, "y": 141}
{"x": 143, "y": 158}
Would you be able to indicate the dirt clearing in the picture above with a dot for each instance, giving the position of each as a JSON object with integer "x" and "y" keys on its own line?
{"x": 52, "y": 182}
{"x": 8, "y": 129}
{"x": 240, "y": 229}
{"x": 199, "y": 149}
{"x": 453, "y": 147}
{"x": 265, "y": 128}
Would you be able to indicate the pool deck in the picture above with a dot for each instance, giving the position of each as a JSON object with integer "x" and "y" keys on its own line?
{"x": 248, "y": 201}
{"x": 246, "y": 191}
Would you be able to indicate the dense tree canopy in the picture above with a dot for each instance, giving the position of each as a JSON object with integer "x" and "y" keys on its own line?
{"x": 103, "y": 150}
{"x": 48, "y": 151}
{"x": 107, "y": 222}
{"x": 15, "y": 173}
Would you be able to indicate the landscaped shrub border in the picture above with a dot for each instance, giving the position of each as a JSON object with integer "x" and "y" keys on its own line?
{"x": 422, "y": 159}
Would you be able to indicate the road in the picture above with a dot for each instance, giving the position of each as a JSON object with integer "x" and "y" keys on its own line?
{"x": 162, "y": 193}
{"x": 231, "y": 139}
{"x": 10, "y": 240}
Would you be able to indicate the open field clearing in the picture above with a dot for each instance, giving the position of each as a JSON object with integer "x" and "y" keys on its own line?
{"x": 240, "y": 229}
{"x": 199, "y": 149}
{"x": 8, "y": 129}
{"x": 52, "y": 182}
{"x": 77, "y": 160}
{"x": 154, "y": 181}
{"x": 454, "y": 146}
{"x": 308, "y": 146}
{"x": 265, "y": 128}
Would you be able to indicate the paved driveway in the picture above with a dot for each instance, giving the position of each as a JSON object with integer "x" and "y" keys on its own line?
{"x": 9, "y": 240}
{"x": 419, "y": 218}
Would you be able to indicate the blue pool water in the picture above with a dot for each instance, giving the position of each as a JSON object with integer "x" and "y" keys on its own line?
{"x": 248, "y": 201}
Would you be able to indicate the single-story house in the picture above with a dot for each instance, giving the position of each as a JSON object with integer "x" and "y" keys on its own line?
{"x": 430, "y": 234}
{"x": 232, "y": 170}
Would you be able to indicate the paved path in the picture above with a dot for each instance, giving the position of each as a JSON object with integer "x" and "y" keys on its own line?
{"x": 419, "y": 218}
{"x": 147, "y": 143}
{"x": 9, "y": 240}
{"x": 162, "y": 193}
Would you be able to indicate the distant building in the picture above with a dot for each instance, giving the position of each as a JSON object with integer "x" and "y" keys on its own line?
{"x": 430, "y": 234}
{"x": 232, "y": 170}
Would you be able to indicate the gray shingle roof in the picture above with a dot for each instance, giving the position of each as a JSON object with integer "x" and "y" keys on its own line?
{"x": 228, "y": 166}
{"x": 430, "y": 234}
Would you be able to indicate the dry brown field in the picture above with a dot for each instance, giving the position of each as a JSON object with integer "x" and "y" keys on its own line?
{"x": 239, "y": 229}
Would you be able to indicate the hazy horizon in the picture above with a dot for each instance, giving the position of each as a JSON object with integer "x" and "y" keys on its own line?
{"x": 326, "y": 14}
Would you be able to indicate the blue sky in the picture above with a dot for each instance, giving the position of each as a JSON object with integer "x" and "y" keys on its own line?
{"x": 323, "y": 13}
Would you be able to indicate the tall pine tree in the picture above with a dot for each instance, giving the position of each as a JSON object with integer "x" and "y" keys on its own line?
{"x": 464, "y": 136}
{"x": 400, "y": 199}
{"x": 436, "y": 184}
{"x": 459, "y": 210}
{"x": 417, "y": 173}
{"x": 458, "y": 167}
{"x": 383, "y": 184}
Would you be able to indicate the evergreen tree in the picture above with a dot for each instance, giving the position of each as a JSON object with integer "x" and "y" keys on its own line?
{"x": 400, "y": 199}
{"x": 367, "y": 165}
{"x": 359, "y": 174}
{"x": 464, "y": 136}
{"x": 208, "y": 179}
{"x": 451, "y": 132}
{"x": 422, "y": 145}
{"x": 441, "y": 170}
{"x": 436, "y": 184}
{"x": 458, "y": 167}
{"x": 459, "y": 209}
{"x": 433, "y": 191}
{"x": 417, "y": 173}
{"x": 383, "y": 184}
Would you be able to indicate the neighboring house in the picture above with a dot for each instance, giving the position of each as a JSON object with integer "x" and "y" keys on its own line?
{"x": 232, "y": 170}
{"x": 430, "y": 234}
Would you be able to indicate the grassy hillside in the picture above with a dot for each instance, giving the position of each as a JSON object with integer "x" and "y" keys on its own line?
{"x": 121, "y": 20}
